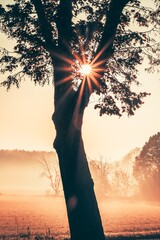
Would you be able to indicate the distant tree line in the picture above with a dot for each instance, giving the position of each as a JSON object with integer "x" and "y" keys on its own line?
{"x": 113, "y": 180}
{"x": 137, "y": 174}
{"x": 147, "y": 168}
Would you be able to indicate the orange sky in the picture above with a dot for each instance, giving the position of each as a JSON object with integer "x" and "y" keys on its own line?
{"x": 26, "y": 120}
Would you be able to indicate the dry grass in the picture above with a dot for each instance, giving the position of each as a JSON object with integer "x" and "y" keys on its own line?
{"x": 46, "y": 219}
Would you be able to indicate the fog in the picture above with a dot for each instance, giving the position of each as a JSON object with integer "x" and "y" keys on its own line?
{"x": 20, "y": 173}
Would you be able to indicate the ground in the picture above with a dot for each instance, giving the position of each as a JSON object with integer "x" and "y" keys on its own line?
{"x": 46, "y": 217}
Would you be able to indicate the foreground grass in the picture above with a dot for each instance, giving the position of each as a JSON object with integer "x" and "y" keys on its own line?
{"x": 117, "y": 237}
{"x": 140, "y": 237}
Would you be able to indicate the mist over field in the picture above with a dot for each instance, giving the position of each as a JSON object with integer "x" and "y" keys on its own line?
{"x": 31, "y": 195}
{"x": 19, "y": 173}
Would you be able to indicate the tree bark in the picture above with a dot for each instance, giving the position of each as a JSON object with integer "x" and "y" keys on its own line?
{"x": 83, "y": 213}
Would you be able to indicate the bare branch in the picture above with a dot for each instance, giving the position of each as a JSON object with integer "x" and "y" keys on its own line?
{"x": 137, "y": 47}
{"x": 54, "y": 178}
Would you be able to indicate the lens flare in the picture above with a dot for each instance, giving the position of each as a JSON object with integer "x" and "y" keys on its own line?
{"x": 86, "y": 69}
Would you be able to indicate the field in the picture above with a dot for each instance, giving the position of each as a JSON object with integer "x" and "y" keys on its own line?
{"x": 43, "y": 214}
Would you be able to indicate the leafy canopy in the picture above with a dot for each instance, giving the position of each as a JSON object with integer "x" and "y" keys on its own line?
{"x": 147, "y": 167}
{"x": 39, "y": 28}
{"x": 148, "y": 161}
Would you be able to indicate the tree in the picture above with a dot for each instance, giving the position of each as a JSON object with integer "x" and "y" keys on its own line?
{"x": 122, "y": 183}
{"x": 100, "y": 170}
{"x": 51, "y": 172}
{"x": 53, "y": 40}
{"x": 147, "y": 168}
{"x": 128, "y": 160}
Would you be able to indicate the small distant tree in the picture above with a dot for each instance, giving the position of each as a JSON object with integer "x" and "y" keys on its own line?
{"x": 100, "y": 170}
{"x": 50, "y": 170}
{"x": 147, "y": 168}
{"x": 120, "y": 183}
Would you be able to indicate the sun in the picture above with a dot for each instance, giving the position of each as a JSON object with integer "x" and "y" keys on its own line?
{"x": 85, "y": 69}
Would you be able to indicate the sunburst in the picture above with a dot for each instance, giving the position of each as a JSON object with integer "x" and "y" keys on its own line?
{"x": 85, "y": 69}
{"x": 81, "y": 73}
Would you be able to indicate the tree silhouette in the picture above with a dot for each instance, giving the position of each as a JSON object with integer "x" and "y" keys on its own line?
{"x": 147, "y": 168}
{"x": 121, "y": 183}
{"x": 54, "y": 38}
{"x": 100, "y": 170}
{"x": 50, "y": 170}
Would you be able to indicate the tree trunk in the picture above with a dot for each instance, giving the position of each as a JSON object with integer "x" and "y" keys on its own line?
{"x": 83, "y": 213}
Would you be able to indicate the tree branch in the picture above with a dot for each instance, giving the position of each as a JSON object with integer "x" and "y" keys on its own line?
{"x": 112, "y": 21}
{"x": 104, "y": 50}
{"x": 45, "y": 26}
{"x": 64, "y": 20}
{"x": 103, "y": 53}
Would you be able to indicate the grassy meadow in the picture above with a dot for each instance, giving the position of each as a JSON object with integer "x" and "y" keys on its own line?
{"x": 40, "y": 217}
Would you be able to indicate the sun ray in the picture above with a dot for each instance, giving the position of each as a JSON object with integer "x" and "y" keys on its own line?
{"x": 107, "y": 45}
{"x": 84, "y": 60}
{"x": 98, "y": 63}
{"x": 64, "y": 80}
{"x": 64, "y": 69}
{"x": 67, "y": 93}
{"x": 89, "y": 84}
{"x": 96, "y": 70}
{"x": 82, "y": 86}
{"x": 95, "y": 74}
{"x": 94, "y": 80}
{"x": 97, "y": 56}
{"x": 62, "y": 57}
{"x": 77, "y": 107}
{"x": 77, "y": 57}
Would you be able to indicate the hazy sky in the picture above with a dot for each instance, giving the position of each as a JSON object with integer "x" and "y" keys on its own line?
{"x": 16, "y": 178}
{"x": 25, "y": 121}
